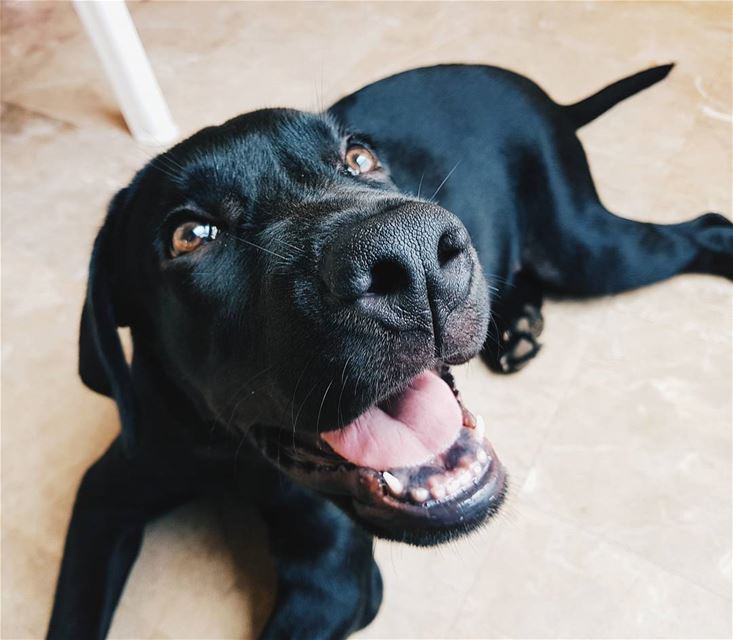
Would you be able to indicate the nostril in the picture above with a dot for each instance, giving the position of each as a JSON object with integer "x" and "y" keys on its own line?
{"x": 388, "y": 277}
{"x": 449, "y": 248}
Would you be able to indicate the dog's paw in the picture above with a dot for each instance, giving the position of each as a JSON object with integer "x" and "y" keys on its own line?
{"x": 517, "y": 345}
{"x": 520, "y": 348}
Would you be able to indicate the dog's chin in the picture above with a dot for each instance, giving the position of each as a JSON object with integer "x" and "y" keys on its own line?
{"x": 415, "y": 467}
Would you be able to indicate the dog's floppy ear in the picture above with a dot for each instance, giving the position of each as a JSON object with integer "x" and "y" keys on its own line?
{"x": 102, "y": 364}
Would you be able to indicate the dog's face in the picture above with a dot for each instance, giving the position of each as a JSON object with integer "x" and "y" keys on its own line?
{"x": 292, "y": 293}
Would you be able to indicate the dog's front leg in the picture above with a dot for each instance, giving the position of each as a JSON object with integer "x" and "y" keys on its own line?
{"x": 116, "y": 498}
{"x": 328, "y": 583}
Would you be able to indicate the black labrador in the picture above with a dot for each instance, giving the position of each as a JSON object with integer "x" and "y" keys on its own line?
{"x": 296, "y": 296}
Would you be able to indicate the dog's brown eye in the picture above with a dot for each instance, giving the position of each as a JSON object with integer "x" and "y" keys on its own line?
{"x": 359, "y": 160}
{"x": 189, "y": 236}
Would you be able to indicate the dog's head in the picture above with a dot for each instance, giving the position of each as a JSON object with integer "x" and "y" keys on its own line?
{"x": 280, "y": 283}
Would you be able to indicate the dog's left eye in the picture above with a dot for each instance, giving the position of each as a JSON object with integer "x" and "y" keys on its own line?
{"x": 189, "y": 236}
{"x": 360, "y": 160}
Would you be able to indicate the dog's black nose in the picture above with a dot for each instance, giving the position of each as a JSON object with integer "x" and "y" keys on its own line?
{"x": 407, "y": 267}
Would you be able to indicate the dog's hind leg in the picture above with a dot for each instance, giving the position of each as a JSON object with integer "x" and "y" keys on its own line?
{"x": 328, "y": 583}
{"x": 611, "y": 254}
{"x": 576, "y": 247}
{"x": 116, "y": 498}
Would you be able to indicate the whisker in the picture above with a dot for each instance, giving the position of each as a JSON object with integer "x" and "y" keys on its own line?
{"x": 339, "y": 414}
{"x": 497, "y": 331}
{"x": 271, "y": 231}
{"x": 293, "y": 416}
{"x": 323, "y": 400}
{"x": 256, "y": 246}
{"x": 440, "y": 186}
{"x": 495, "y": 278}
{"x": 287, "y": 244}
{"x": 300, "y": 410}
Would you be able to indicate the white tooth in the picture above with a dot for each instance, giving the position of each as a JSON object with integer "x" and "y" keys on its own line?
{"x": 464, "y": 478}
{"x": 452, "y": 486}
{"x": 480, "y": 431}
{"x": 482, "y": 456}
{"x": 393, "y": 484}
{"x": 476, "y": 469}
{"x": 435, "y": 481}
{"x": 438, "y": 491}
{"x": 419, "y": 494}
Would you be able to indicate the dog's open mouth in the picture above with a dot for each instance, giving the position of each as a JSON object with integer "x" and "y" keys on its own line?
{"x": 416, "y": 461}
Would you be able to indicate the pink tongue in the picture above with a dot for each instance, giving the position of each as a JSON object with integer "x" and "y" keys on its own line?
{"x": 415, "y": 426}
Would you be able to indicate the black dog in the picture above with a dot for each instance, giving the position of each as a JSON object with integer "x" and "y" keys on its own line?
{"x": 295, "y": 305}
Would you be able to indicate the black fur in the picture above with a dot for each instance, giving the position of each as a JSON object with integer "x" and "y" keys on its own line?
{"x": 259, "y": 329}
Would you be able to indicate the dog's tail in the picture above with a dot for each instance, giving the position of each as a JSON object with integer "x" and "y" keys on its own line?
{"x": 581, "y": 113}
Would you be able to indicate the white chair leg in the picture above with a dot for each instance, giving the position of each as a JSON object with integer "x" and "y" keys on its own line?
{"x": 112, "y": 32}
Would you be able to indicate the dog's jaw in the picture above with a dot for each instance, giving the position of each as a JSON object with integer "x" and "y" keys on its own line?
{"x": 449, "y": 493}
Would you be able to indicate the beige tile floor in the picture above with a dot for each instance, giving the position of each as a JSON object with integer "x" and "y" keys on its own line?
{"x": 618, "y": 436}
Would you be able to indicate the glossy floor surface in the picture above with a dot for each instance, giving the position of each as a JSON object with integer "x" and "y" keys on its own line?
{"x": 618, "y": 437}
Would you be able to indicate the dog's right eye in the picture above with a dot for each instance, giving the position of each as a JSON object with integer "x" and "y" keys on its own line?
{"x": 190, "y": 236}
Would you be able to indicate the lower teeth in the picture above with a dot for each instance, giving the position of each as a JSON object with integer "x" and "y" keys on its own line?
{"x": 393, "y": 484}
{"x": 438, "y": 492}
{"x": 447, "y": 484}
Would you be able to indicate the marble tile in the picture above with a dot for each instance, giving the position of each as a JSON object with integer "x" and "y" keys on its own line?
{"x": 618, "y": 436}
{"x": 224, "y": 577}
{"x": 662, "y": 605}
{"x": 419, "y": 595}
{"x": 548, "y": 578}
{"x": 640, "y": 451}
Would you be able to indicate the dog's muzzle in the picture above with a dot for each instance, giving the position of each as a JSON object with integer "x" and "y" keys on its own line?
{"x": 407, "y": 267}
